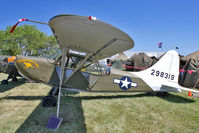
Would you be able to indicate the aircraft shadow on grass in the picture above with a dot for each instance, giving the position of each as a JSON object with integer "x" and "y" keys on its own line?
{"x": 170, "y": 97}
{"x": 11, "y": 84}
{"x": 177, "y": 99}
{"x": 72, "y": 111}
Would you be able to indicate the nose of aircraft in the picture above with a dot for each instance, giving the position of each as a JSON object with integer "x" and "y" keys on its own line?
{"x": 34, "y": 68}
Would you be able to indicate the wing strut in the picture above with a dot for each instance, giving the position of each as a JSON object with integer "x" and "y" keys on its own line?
{"x": 89, "y": 56}
{"x": 79, "y": 66}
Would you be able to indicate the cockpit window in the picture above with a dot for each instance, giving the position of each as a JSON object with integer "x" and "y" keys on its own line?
{"x": 56, "y": 55}
{"x": 97, "y": 68}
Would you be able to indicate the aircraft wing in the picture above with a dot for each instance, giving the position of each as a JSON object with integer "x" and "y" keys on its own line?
{"x": 88, "y": 35}
{"x": 79, "y": 33}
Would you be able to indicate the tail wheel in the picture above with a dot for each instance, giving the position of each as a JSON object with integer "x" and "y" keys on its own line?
{"x": 49, "y": 101}
{"x": 162, "y": 94}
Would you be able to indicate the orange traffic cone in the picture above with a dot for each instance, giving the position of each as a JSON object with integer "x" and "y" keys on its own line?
{"x": 189, "y": 94}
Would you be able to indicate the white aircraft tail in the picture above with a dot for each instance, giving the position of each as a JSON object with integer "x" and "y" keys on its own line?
{"x": 163, "y": 76}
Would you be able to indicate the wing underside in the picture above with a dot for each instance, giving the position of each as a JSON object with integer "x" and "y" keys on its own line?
{"x": 81, "y": 34}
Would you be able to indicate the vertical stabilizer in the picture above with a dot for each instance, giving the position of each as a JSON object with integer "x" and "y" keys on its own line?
{"x": 165, "y": 71}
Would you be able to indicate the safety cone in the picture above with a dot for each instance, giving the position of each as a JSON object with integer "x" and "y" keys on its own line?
{"x": 189, "y": 94}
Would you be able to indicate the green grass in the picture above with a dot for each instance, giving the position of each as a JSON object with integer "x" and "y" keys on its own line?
{"x": 21, "y": 111}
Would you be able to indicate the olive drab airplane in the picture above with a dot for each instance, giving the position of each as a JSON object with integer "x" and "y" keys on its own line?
{"x": 83, "y": 42}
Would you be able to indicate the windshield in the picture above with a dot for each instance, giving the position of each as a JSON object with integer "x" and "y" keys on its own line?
{"x": 56, "y": 55}
{"x": 98, "y": 68}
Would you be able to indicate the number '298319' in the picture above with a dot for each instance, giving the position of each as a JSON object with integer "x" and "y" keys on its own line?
{"x": 162, "y": 74}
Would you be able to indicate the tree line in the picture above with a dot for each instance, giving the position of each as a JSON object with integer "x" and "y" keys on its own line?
{"x": 27, "y": 40}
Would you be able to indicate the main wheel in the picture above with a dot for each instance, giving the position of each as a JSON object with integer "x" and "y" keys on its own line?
{"x": 49, "y": 101}
{"x": 4, "y": 82}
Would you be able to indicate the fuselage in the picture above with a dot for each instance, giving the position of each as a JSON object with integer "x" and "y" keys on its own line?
{"x": 42, "y": 70}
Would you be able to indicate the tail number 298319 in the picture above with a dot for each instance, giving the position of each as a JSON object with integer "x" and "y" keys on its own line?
{"x": 162, "y": 74}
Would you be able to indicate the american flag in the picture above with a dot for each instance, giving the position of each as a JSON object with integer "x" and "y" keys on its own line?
{"x": 160, "y": 45}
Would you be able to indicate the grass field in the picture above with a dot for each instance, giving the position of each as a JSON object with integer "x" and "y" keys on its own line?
{"x": 21, "y": 111}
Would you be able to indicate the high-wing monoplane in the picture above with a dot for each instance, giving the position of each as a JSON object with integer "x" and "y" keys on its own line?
{"x": 83, "y": 42}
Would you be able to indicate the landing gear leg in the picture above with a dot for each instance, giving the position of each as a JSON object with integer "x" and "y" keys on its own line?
{"x": 54, "y": 91}
{"x": 14, "y": 78}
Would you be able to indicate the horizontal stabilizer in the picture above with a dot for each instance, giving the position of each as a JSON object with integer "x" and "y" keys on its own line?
{"x": 186, "y": 89}
{"x": 177, "y": 87}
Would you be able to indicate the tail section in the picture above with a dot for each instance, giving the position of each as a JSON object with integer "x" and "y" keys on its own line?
{"x": 164, "y": 72}
{"x": 163, "y": 76}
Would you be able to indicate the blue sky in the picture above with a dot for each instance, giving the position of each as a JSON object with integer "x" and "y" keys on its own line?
{"x": 147, "y": 22}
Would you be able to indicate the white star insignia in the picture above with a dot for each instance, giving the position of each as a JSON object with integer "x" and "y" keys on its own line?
{"x": 125, "y": 83}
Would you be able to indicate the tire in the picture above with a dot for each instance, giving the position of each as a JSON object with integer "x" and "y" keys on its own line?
{"x": 49, "y": 101}
{"x": 4, "y": 82}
